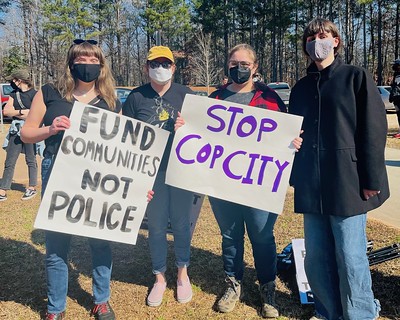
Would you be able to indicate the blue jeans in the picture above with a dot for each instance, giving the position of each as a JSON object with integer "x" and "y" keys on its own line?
{"x": 14, "y": 149}
{"x": 174, "y": 205}
{"x": 57, "y": 248}
{"x": 337, "y": 267}
{"x": 232, "y": 220}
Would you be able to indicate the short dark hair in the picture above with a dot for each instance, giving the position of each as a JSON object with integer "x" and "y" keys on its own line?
{"x": 321, "y": 25}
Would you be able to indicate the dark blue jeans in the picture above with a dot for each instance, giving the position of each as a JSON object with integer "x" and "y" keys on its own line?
{"x": 233, "y": 219}
{"x": 57, "y": 248}
{"x": 174, "y": 205}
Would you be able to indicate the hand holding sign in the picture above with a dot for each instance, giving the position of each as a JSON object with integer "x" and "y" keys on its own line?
{"x": 110, "y": 162}
{"x": 234, "y": 152}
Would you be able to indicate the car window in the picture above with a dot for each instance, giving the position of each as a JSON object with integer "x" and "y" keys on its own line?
{"x": 383, "y": 90}
{"x": 7, "y": 89}
{"x": 121, "y": 93}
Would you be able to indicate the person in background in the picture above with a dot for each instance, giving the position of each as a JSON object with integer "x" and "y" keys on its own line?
{"x": 224, "y": 81}
{"x": 18, "y": 107}
{"x": 87, "y": 79}
{"x": 257, "y": 77}
{"x": 158, "y": 103}
{"x": 232, "y": 218}
{"x": 338, "y": 174}
{"x": 395, "y": 92}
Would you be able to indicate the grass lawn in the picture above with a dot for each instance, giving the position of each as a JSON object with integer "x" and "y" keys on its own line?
{"x": 22, "y": 277}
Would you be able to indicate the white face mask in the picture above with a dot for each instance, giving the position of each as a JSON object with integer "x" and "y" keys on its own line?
{"x": 160, "y": 75}
{"x": 320, "y": 49}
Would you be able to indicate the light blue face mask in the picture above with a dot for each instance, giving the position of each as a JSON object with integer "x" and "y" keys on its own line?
{"x": 319, "y": 49}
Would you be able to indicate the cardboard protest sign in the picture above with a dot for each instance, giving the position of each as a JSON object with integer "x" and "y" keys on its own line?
{"x": 234, "y": 152}
{"x": 104, "y": 167}
{"x": 299, "y": 252}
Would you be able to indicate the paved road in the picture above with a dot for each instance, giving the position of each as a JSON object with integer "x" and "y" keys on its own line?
{"x": 388, "y": 213}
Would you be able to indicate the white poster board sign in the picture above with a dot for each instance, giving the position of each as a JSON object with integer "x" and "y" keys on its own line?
{"x": 299, "y": 251}
{"x": 104, "y": 167}
{"x": 234, "y": 152}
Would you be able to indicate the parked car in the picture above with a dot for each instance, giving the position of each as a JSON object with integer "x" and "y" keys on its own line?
{"x": 389, "y": 106}
{"x": 203, "y": 90}
{"x": 123, "y": 93}
{"x": 282, "y": 89}
{"x": 5, "y": 90}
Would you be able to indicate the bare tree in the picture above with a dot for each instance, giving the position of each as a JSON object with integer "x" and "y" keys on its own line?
{"x": 202, "y": 63}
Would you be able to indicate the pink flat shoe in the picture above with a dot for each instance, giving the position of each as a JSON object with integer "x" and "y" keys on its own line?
{"x": 184, "y": 291}
{"x": 155, "y": 297}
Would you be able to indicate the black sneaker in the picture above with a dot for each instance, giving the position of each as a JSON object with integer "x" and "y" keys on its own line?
{"x": 29, "y": 194}
{"x": 55, "y": 316}
{"x": 3, "y": 198}
{"x": 103, "y": 311}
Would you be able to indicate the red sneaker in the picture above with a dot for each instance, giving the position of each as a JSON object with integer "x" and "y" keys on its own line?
{"x": 103, "y": 311}
{"x": 397, "y": 135}
{"x": 55, "y": 316}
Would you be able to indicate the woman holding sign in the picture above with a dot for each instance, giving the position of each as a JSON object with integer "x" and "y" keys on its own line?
{"x": 233, "y": 219}
{"x": 338, "y": 175}
{"x": 88, "y": 79}
{"x": 158, "y": 103}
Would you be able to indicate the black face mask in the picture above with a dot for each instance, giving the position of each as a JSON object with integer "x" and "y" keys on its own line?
{"x": 240, "y": 75}
{"x": 13, "y": 85}
{"x": 86, "y": 72}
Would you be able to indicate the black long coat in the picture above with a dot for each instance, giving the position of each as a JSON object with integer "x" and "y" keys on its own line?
{"x": 344, "y": 140}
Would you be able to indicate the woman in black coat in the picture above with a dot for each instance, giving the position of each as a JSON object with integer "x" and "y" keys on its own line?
{"x": 338, "y": 175}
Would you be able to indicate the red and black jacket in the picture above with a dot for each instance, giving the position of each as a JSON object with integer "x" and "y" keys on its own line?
{"x": 264, "y": 97}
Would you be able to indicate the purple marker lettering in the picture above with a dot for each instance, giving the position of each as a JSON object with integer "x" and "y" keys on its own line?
{"x": 214, "y": 116}
{"x": 247, "y": 179}
{"x": 234, "y": 111}
{"x": 249, "y": 120}
{"x": 218, "y": 152}
{"x": 265, "y": 160}
{"x": 266, "y": 125}
{"x": 225, "y": 165}
{"x": 204, "y": 153}
{"x": 180, "y": 144}
{"x": 281, "y": 167}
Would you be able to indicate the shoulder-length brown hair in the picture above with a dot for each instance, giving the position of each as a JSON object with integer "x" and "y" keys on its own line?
{"x": 104, "y": 84}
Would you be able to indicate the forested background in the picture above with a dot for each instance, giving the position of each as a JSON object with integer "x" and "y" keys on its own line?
{"x": 200, "y": 32}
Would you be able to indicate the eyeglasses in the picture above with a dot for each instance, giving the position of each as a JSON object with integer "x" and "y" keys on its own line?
{"x": 80, "y": 41}
{"x": 241, "y": 64}
{"x": 156, "y": 64}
